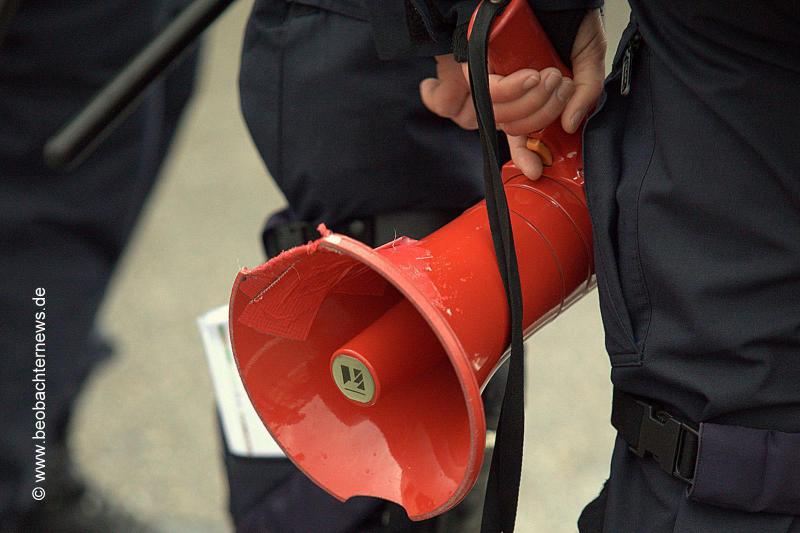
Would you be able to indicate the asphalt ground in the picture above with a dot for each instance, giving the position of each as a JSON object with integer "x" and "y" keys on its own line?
{"x": 146, "y": 430}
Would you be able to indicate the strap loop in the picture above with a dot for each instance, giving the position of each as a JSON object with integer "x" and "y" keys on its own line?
{"x": 502, "y": 492}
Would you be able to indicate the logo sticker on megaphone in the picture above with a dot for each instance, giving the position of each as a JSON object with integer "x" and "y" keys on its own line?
{"x": 353, "y": 378}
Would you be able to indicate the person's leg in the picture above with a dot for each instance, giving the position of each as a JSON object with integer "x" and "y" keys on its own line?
{"x": 693, "y": 196}
{"x": 64, "y": 232}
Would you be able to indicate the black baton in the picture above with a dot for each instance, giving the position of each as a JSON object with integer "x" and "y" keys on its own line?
{"x": 116, "y": 100}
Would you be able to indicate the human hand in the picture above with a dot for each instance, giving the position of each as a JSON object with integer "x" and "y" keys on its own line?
{"x": 448, "y": 94}
{"x": 528, "y": 101}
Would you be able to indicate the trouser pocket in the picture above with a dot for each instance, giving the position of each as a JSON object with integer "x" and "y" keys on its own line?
{"x": 618, "y": 144}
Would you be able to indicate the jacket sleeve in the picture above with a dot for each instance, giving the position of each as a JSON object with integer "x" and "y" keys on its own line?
{"x": 433, "y": 27}
{"x": 417, "y": 27}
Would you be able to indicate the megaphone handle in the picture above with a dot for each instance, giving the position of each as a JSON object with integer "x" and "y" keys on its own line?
{"x": 518, "y": 41}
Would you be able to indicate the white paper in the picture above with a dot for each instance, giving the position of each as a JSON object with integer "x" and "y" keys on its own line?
{"x": 244, "y": 432}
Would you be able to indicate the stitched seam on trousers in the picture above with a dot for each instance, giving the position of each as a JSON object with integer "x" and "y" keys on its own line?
{"x": 602, "y": 259}
{"x": 635, "y": 359}
{"x": 616, "y": 312}
{"x": 638, "y": 197}
{"x": 589, "y": 204}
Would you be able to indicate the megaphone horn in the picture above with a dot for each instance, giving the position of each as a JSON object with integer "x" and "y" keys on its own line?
{"x": 366, "y": 365}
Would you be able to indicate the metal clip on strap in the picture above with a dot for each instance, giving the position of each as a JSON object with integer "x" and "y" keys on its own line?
{"x": 649, "y": 431}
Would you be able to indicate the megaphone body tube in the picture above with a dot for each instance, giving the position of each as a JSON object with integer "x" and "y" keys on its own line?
{"x": 399, "y": 345}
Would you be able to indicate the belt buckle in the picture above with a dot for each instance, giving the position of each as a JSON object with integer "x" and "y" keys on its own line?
{"x": 663, "y": 437}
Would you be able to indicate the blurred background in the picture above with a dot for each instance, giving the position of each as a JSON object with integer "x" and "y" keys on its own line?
{"x": 146, "y": 427}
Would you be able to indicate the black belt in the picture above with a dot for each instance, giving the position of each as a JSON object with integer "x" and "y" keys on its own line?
{"x": 754, "y": 470}
{"x": 374, "y": 230}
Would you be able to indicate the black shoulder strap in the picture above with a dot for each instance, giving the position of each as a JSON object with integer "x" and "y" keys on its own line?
{"x": 500, "y": 507}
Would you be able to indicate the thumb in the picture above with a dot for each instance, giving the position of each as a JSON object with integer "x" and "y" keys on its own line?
{"x": 588, "y": 86}
{"x": 588, "y": 66}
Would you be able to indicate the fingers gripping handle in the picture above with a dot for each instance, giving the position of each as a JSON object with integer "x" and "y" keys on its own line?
{"x": 518, "y": 41}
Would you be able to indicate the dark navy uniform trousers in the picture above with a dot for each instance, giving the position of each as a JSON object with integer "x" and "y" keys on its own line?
{"x": 65, "y": 231}
{"x": 693, "y": 180}
{"x": 344, "y": 134}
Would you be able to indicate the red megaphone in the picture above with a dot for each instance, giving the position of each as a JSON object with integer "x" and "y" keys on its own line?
{"x": 366, "y": 365}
